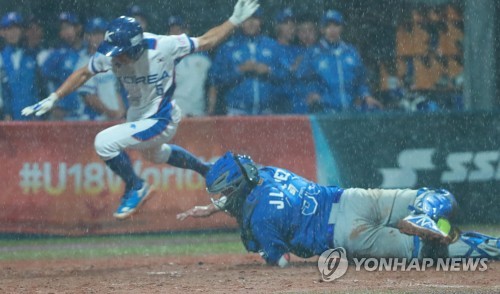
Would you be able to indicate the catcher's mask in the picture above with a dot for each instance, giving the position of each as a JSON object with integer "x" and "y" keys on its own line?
{"x": 230, "y": 176}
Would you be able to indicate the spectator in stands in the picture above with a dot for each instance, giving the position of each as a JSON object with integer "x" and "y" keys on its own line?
{"x": 100, "y": 94}
{"x": 307, "y": 31}
{"x": 33, "y": 43}
{"x": 19, "y": 69}
{"x": 284, "y": 90}
{"x": 176, "y": 25}
{"x": 216, "y": 86}
{"x": 247, "y": 66}
{"x": 338, "y": 68}
{"x": 435, "y": 26}
{"x": 62, "y": 62}
{"x": 34, "y": 34}
{"x": 190, "y": 74}
{"x": 4, "y": 89}
{"x": 138, "y": 13}
{"x": 307, "y": 35}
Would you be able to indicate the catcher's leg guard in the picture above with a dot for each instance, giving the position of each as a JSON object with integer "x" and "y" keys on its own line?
{"x": 475, "y": 245}
{"x": 434, "y": 203}
{"x": 429, "y": 216}
{"x": 426, "y": 228}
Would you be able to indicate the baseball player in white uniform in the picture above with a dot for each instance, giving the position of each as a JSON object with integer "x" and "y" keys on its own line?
{"x": 145, "y": 65}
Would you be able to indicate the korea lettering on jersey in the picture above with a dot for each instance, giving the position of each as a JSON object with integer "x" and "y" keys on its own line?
{"x": 150, "y": 81}
{"x": 291, "y": 215}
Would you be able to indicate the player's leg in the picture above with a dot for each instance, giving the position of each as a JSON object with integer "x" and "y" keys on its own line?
{"x": 175, "y": 156}
{"x": 381, "y": 242}
{"x": 179, "y": 157}
{"x": 365, "y": 223}
{"x": 381, "y": 206}
{"x": 110, "y": 145}
{"x": 155, "y": 148}
{"x": 366, "y": 220}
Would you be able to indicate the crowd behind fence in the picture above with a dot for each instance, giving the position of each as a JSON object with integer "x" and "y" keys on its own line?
{"x": 300, "y": 64}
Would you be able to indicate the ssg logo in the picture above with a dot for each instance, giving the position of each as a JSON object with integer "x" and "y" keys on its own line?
{"x": 332, "y": 264}
{"x": 409, "y": 162}
{"x": 460, "y": 167}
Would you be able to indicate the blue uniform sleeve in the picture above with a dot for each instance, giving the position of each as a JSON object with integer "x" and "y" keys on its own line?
{"x": 214, "y": 73}
{"x": 305, "y": 70}
{"x": 224, "y": 71}
{"x": 362, "y": 89}
{"x": 271, "y": 242}
{"x": 285, "y": 71}
{"x": 278, "y": 70}
{"x": 5, "y": 95}
{"x": 49, "y": 67}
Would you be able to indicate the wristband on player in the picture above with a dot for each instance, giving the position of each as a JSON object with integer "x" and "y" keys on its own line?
{"x": 284, "y": 260}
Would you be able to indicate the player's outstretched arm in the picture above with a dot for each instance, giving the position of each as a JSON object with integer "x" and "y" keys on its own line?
{"x": 242, "y": 10}
{"x": 199, "y": 211}
{"x": 73, "y": 82}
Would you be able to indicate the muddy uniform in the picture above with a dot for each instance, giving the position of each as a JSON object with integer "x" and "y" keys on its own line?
{"x": 287, "y": 213}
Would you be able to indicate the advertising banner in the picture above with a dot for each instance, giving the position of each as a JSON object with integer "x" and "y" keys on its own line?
{"x": 54, "y": 183}
{"x": 459, "y": 152}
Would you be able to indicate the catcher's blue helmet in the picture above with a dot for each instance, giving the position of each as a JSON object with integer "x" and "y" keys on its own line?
{"x": 123, "y": 36}
{"x": 231, "y": 173}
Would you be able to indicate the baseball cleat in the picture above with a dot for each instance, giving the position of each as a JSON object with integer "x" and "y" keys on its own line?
{"x": 132, "y": 200}
{"x": 426, "y": 228}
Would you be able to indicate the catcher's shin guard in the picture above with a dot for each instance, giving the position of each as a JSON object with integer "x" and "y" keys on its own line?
{"x": 477, "y": 246}
{"x": 436, "y": 204}
{"x": 426, "y": 228}
{"x": 429, "y": 216}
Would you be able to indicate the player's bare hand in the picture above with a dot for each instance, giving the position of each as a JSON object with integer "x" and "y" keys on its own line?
{"x": 41, "y": 107}
{"x": 296, "y": 63}
{"x": 248, "y": 66}
{"x": 262, "y": 69}
{"x": 313, "y": 98}
{"x": 372, "y": 102}
{"x": 197, "y": 211}
{"x": 116, "y": 114}
{"x": 243, "y": 10}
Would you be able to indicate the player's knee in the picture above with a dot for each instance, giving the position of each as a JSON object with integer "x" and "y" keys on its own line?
{"x": 104, "y": 147}
{"x": 158, "y": 155}
{"x": 436, "y": 204}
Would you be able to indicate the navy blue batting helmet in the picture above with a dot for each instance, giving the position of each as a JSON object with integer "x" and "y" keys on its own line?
{"x": 123, "y": 36}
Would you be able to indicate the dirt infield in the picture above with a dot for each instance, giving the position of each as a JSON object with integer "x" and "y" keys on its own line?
{"x": 235, "y": 273}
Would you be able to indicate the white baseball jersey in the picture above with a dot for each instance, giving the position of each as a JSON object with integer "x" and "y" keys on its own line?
{"x": 149, "y": 81}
